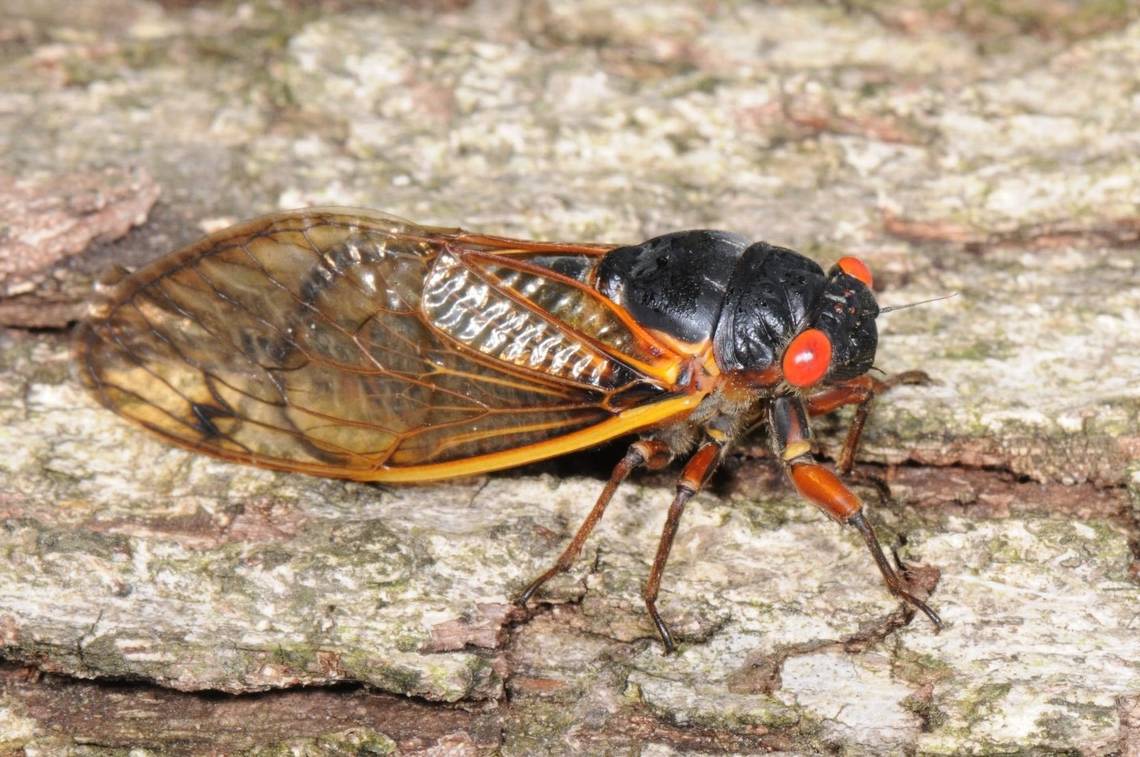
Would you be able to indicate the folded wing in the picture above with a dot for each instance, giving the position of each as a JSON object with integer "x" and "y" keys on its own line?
{"x": 353, "y": 344}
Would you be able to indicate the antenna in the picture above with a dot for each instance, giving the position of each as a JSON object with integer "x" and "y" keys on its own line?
{"x": 889, "y": 308}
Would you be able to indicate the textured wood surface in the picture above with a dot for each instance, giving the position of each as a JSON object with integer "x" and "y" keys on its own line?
{"x": 190, "y": 605}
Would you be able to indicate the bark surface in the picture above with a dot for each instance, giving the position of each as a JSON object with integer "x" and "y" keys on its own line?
{"x": 182, "y": 604}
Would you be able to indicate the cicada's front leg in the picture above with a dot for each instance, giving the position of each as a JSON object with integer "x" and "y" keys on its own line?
{"x": 791, "y": 438}
{"x": 860, "y": 391}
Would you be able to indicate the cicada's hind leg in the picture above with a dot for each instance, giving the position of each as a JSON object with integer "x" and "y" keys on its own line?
{"x": 862, "y": 392}
{"x": 791, "y": 437}
{"x": 648, "y": 453}
{"x": 696, "y": 473}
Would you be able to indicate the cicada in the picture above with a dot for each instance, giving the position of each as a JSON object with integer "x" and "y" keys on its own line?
{"x": 349, "y": 343}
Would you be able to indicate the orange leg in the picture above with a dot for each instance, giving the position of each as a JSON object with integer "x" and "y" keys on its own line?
{"x": 696, "y": 473}
{"x": 859, "y": 391}
{"x": 649, "y": 453}
{"x": 823, "y": 488}
{"x": 853, "y": 392}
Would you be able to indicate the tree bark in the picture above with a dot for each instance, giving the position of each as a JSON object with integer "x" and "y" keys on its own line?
{"x": 193, "y": 605}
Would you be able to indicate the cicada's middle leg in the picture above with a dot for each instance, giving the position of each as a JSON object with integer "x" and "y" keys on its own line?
{"x": 652, "y": 454}
{"x": 646, "y": 453}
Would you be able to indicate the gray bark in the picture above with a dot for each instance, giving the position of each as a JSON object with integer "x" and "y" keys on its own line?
{"x": 982, "y": 151}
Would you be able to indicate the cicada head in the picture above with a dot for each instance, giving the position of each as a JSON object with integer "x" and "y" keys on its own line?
{"x": 846, "y": 314}
{"x": 782, "y": 311}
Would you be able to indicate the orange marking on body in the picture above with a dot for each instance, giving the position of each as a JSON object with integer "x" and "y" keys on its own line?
{"x": 701, "y": 369}
{"x": 824, "y": 488}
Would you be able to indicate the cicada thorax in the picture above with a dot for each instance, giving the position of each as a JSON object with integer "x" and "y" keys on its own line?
{"x": 714, "y": 291}
{"x": 676, "y": 283}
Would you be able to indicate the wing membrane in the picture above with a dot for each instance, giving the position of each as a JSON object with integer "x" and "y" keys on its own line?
{"x": 354, "y": 344}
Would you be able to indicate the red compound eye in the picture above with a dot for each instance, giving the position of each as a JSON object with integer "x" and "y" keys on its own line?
{"x": 807, "y": 358}
{"x": 856, "y": 268}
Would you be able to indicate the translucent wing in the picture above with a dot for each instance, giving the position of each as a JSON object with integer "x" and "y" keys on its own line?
{"x": 353, "y": 344}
